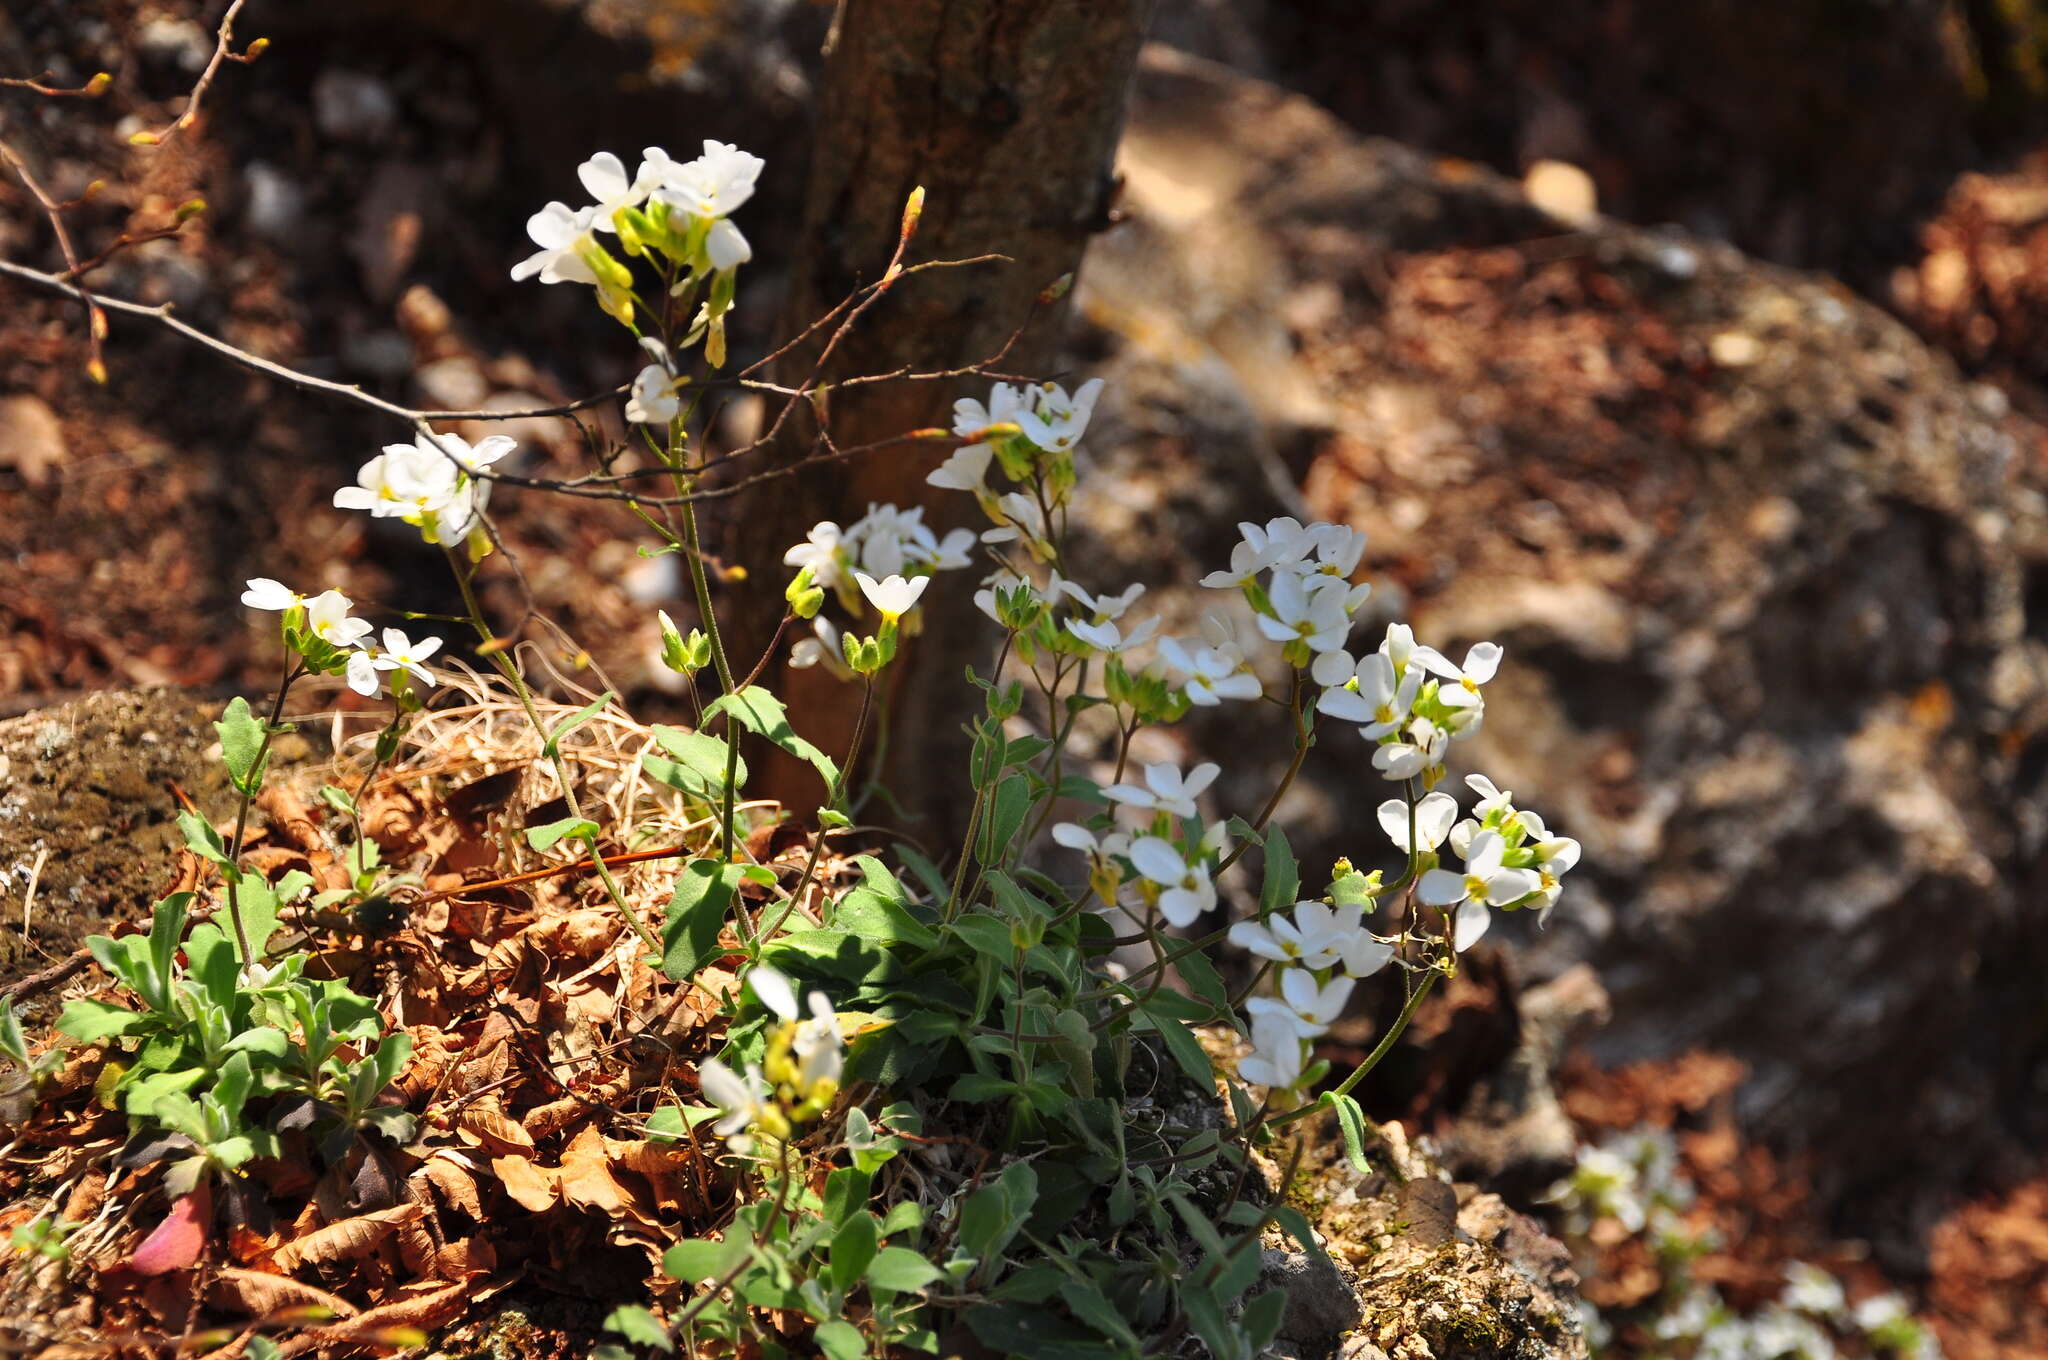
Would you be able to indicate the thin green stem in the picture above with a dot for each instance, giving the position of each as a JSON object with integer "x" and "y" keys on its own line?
{"x": 1372, "y": 1059}
{"x": 292, "y": 671}
{"x": 505, "y": 667}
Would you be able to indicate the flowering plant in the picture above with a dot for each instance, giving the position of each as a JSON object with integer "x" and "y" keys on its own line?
{"x": 1044, "y": 991}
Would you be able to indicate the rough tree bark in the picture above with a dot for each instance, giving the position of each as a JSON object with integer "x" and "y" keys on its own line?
{"x": 1007, "y": 113}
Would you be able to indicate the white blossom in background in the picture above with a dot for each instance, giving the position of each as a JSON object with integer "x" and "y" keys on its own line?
{"x": 1166, "y": 789}
{"x": 1487, "y": 882}
{"x": 327, "y": 618}
{"x": 1055, "y": 421}
{"x": 1187, "y": 890}
{"x": 1278, "y": 1052}
{"x": 1215, "y": 671}
{"x": 894, "y": 596}
{"x": 966, "y": 470}
{"x": 823, "y": 553}
{"x": 744, "y": 1100}
{"x": 1311, "y": 1007}
{"x": 822, "y": 648}
{"x": 401, "y": 653}
{"x": 1433, "y": 816}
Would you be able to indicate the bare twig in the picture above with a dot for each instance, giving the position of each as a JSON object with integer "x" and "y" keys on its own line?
{"x": 92, "y": 89}
{"x": 223, "y": 50}
{"x": 95, "y": 318}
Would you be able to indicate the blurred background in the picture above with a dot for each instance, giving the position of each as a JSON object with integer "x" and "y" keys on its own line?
{"x": 1695, "y": 351}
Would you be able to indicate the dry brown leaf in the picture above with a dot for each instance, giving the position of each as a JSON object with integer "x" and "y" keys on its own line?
{"x": 257, "y": 1292}
{"x": 495, "y": 1129}
{"x": 465, "y": 1259}
{"x": 533, "y": 1187}
{"x": 424, "y": 1311}
{"x": 586, "y": 1174}
{"x": 351, "y": 1237}
{"x": 456, "y": 1184}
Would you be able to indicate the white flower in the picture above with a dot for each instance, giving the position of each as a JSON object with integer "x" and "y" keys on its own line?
{"x": 1338, "y": 547}
{"x": 1107, "y": 637}
{"x": 1554, "y": 856}
{"x": 655, "y": 400}
{"x": 821, "y": 649}
{"x": 725, "y": 247}
{"x": 743, "y": 1099}
{"x": 817, "y": 1046}
{"x": 1420, "y": 748}
{"x": 1020, "y": 515}
{"x": 1166, "y": 789}
{"x": 1313, "y": 937}
{"x": 1307, "y": 609}
{"x": 966, "y": 470}
{"x": 1214, "y": 673}
{"x": 1074, "y": 836}
{"x": 1101, "y": 606}
{"x": 1277, "y": 1052}
{"x": 893, "y": 597}
{"x": 264, "y": 593}
{"x": 1188, "y": 890}
{"x": 1380, "y": 703}
{"x": 405, "y": 481}
{"x": 327, "y": 618}
{"x": 401, "y": 653}
{"x": 1055, "y": 421}
{"x": 1364, "y": 953}
{"x": 1485, "y": 883}
{"x": 1310, "y": 1007}
{"x": 821, "y": 553}
{"x": 1433, "y": 817}
{"x": 1481, "y": 663}
{"x": 1809, "y": 1289}
{"x": 1880, "y": 1310}
{"x": 362, "y": 675}
{"x": 971, "y": 418}
{"x": 716, "y": 183}
{"x": 470, "y": 458}
{"x": 461, "y": 512}
{"x": 562, "y": 235}
{"x": 604, "y": 177}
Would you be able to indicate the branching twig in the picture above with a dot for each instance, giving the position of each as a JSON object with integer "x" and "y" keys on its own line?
{"x": 95, "y": 317}
{"x": 92, "y": 89}
{"x": 223, "y": 50}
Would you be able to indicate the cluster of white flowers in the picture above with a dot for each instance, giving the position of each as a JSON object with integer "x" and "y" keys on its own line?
{"x": 798, "y": 1077}
{"x": 679, "y": 209}
{"x": 1029, "y": 434}
{"x": 1511, "y": 859}
{"x": 1409, "y": 700}
{"x": 1159, "y": 846}
{"x": 1635, "y": 1179}
{"x": 886, "y": 541}
{"x": 326, "y": 619}
{"x": 1321, "y": 951}
{"x": 431, "y": 484}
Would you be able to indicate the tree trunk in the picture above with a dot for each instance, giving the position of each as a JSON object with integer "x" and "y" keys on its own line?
{"x": 1007, "y": 113}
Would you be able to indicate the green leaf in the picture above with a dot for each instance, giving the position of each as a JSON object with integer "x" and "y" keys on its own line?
{"x": 1093, "y": 1307}
{"x": 639, "y": 1326}
{"x": 1018, "y": 1329}
{"x": 1185, "y": 1050}
{"x": 697, "y": 912}
{"x": 694, "y": 1259}
{"x": 1207, "y": 1321}
{"x": 901, "y": 1270}
{"x": 1283, "y": 878}
{"x": 1261, "y": 1319}
{"x": 1351, "y": 1119}
{"x": 846, "y": 1189}
{"x": 542, "y": 838}
{"x": 838, "y": 1340}
{"x": 699, "y": 765}
{"x": 91, "y": 1021}
{"x": 572, "y": 722}
{"x": 761, "y": 713}
{"x": 266, "y": 1040}
{"x": 1003, "y": 820}
{"x": 241, "y": 744}
{"x": 877, "y": 910}
{"x": 988, "y": 937}
{"x": 201, "y": 839}
{"x": 853, "y": 1248}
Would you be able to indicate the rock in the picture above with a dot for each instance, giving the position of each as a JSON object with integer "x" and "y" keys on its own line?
{"x": 352, "y": 107}
{"x": 1321, "y": 1303}
{"x": 31, "y": 439}
{"x": 1765, "y": 566}
{"x": 275, "y": 205}
{"x": 85, "y": 789}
